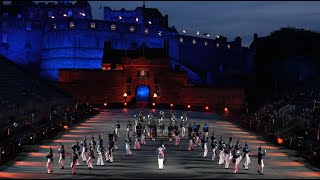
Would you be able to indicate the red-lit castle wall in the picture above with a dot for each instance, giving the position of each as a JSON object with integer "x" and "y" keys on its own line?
{"x": 100, "y": 86}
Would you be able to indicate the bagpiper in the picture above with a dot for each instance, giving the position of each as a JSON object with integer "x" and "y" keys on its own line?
{"x": 62, "y": 156}
{"x": 247, "y": 160}
{"x": 74, "y": 160}
{"x": 49, "y": 157}
{"x": 260, "y": 160}
{"x": 160, "y": 153}
{"x": 84, "y": 149}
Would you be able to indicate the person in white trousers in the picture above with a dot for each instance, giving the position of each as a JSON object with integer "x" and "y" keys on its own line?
{"x": 177, "y": 137}
{"x": 84, "y": 149}
{"x": 128, "y": 145}
{"x": 90, "y": 157}
{"x": 100, "y": 155}
{"x": 247, "y": 160}
{"x": 61, "y": 152}
{"x": 228, "y": 156}
{"x": 236, "y": 159}
{"x": 160, "y": 153}
{"x": 49, "y": 157}
{"x": 222, "y": 148}
{"x": 214, "y": 147}
{"x": 117, "y": 129}
{"x": 74, "y": 159}
{"x": 260, "y": 160}
{"x": 205, "y": 146}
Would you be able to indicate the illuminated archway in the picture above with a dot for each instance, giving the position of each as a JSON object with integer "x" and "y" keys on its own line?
{"x": 142, "y": 93}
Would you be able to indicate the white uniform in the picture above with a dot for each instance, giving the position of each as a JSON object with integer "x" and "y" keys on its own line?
{"x": 48, "y": 165}
{"x": 61, "y": 159}
{"x": 100, "y": 157}
{"x": 177, "y": 142}
{"x": 246, "y": 158}
{"x": 160, "y": 152}
{"x": 137, "y": 144}
{"x": 236, "y": 164}
{"x": 228, "y": 158}
{"x": 205, "y": 149}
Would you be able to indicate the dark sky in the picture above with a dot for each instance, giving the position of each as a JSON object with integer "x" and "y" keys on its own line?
{"x": 230, "y": 19}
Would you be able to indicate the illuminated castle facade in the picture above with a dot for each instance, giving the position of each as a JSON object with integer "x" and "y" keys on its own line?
{"x": 48, "y": 37}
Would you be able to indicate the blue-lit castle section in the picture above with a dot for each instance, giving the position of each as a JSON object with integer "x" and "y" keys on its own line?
{"x": 48, "y": 40}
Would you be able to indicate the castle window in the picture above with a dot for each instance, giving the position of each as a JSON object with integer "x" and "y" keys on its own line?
{"x": 146, "y": 31}
{"x": 4, "y": 25}
{"x": 142, "y": 73}
{"x": 113, "y": 27}
{"x": 131, "y": 28}
{"x": 194, "y": 41}
{"x": 71, "y": 24}
{"x": 181, "y": 40}
{"x": 229, "y": 46}
{"x": 137, "y": 19}
{"x": 28, "y": 28}
{"x": 4, "y": 38}
{"x": 54, "y": 26}
{"x": 69, "y": 13}
{"x": 218, "y": 45}
{"x": 160, "y": 33}
{"x": 206, "y": 43}
{"x": 93, "y": 25}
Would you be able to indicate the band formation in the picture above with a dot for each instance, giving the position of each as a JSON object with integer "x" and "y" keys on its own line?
{"x": 226, "y": 151}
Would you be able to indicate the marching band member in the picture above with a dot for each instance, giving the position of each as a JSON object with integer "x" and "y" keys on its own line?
{"x": 49, "y": 157}
{"x": 260, "y": 160}
{"x": 84, "y": 149}
{"x": 109, "y": 152}
{"x": 74, "y": 160}
{"x": 115, "y": 139}
{"x": 228, "y": 156}
{"x": 214, "y": 147}
{"x": 191, "y": 143}
{"x": 100, "y": 153}
{"x": 128, "y": 145}
{"x": 160, "y": 152}
{"x": 183, "y": 124}
{"x": 129, "y": 128}
{"x": 137, "y": 143}
{"x": 62, "y": 156}
{"x": 117, "y": 129}
{"x": 236, "y": 158}
{"x": 154, "y": 131}
{"x": 247, "y": 160}
{"x": 170, "y": 128}
{"x": 206, "y": 129}
{"x": 90, "y": 157}
{"x": 221, "y": 152}
{"x": 76, "y": 148}
{"x": 205, "y": 146}
{"x": 143, "y": 135}
{"x": 93, "y": 143}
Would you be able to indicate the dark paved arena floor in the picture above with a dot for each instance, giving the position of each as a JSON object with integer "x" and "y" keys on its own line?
{"x": 180, "y": 163}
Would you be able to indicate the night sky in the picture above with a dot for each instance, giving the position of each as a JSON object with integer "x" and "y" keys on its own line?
{"x": 230, "y": 19}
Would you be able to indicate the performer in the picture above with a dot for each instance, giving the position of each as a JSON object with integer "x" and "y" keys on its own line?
{"x": 177, "y": 137}
{"x": 117, "y": 129}
{"x": 62, "y": 156}
{"x": 236, "y": 157}
{"x": 84, "y": 149}
{"x": 214, "y": 147}
{"x": 74, "y": 160}
{"x": 93, "y": 143}
{"x": 100, "y": 150}
{"x": 109, "y": 152}
{"x": 183, "y": 125}
{"x": 213, "y": 137}
{"x": 198, "y": 140}
{"x": 115, "y": 139}
{"x": 190, "y": 129}
{"x": 128, "y": 145}
{"x": 49, "y": 157}
{"x": 160, "y": 152}
{"x": 90, "y": 157}
{"x": 129, "y": 128}
{"x": 260, "y": 160}
{"x": 137, "y": 143}
{"x": 170, "y": 128}
{"x": 206, "y": 129}
{"x": 76, "y": 148}
{"x": 190, "y": 147}
{"x": 228, "y": 156}
{"x": 100, "y": 141}
{"x": 143, "y": 135}
{"x": 205, "y": 146}
{"x": 221, "y": 152}
{"x": 247, "y": 160}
